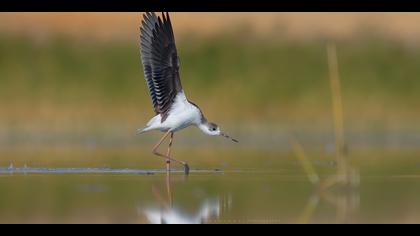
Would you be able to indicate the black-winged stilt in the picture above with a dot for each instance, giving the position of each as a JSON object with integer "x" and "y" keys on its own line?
{"x": 161, "y": 71}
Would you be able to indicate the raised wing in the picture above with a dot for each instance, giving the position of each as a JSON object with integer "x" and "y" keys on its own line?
{"x": 160, "y": 61}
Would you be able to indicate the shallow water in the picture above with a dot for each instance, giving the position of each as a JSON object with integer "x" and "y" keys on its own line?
{"x": 386, "y": 193}
{"x": 39, "y": 170}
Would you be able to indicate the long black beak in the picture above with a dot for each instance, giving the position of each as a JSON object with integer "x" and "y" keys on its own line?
{"x": 227, "y": 136}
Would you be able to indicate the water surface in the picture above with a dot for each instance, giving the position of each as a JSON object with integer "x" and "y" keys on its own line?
{"x": 265, "y": 188}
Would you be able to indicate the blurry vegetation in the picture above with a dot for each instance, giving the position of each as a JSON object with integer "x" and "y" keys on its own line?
{"x": 89, "y": 88}
{"x": 278, "y": 82}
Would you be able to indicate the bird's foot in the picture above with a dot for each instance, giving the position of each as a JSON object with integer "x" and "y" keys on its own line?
{"x": 186, "y": 168}
{"x": 168, "y": 165}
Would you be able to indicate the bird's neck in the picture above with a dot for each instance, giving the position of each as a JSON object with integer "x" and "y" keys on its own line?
{"x": 203, "y": 125}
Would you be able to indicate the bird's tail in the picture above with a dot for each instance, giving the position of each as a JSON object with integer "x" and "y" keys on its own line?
{"x": 151, "y": 125}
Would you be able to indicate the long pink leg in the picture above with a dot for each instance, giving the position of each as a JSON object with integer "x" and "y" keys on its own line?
{"x": 168, "y": 158}
{"x": 168, "y": 153}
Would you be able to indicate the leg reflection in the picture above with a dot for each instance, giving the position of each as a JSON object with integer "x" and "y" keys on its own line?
{"x": 185, "y": 211}
{"x": 168, "y": 188}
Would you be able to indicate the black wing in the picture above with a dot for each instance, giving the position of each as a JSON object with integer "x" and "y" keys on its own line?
{"x": 160, "y": 61}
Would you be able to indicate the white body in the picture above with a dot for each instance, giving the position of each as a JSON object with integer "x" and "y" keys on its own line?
{"x": 181, "y": 115}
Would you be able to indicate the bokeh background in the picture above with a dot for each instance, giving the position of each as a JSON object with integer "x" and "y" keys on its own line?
{"x": 76, "y": 78}
{"x": 72, "y": 92}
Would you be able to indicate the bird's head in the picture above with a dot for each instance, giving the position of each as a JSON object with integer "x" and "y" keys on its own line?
{"x": 213, "y": 129}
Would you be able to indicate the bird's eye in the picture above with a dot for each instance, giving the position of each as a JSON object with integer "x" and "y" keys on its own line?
{"x": 213, "y": 129}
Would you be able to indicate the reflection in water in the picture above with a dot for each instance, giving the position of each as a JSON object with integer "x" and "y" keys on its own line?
{"x": 167, "y": 213}
{"x": 345, "y": 202}
{"x": 209, "y": 209}
{"x": 345, "y": 197}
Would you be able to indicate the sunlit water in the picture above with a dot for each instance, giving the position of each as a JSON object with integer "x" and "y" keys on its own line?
{"x": 256, "y": 181}
{"x": 112, "y": 195}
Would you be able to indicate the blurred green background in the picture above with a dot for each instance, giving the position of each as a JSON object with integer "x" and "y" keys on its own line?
{"x": 73, "y": 83}
{"x": 72, "y": 93}
{"x": 82, "y": 83}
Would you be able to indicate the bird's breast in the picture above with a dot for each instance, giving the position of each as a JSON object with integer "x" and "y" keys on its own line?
{"x": 181, "y": 116}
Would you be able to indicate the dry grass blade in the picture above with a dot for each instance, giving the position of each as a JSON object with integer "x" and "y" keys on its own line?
{"x": 337, "y": 105}
{"x": 306, "y": 164}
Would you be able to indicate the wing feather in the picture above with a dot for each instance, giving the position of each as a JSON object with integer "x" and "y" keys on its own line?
{"x": 160, "y": 61}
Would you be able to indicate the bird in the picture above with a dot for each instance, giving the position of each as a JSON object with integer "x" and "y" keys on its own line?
{"x": 161, "y": 64}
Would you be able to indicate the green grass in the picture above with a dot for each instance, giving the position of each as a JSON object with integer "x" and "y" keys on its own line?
{"x": 254, "y": 80}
